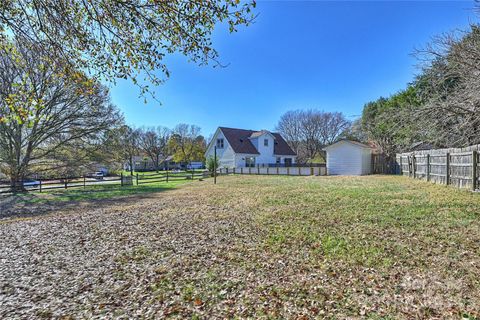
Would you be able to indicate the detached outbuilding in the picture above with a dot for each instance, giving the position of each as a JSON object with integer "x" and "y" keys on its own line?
{"x": 347, "y": 157}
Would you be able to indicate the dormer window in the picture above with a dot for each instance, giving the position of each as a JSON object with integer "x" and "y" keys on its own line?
{"x": 220, "y": 143}
{"x": 265, "y": 142}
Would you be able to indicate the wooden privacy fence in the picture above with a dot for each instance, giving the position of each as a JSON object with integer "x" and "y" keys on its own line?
{"x": 382, "y": 164}
{"x": 457, "y": 167}
{"x": 290, "y": 171}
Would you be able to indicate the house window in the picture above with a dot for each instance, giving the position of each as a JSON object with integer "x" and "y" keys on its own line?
{"x": 250, "y": 162}
{"x": 288, "y": 162}
{"x": 220, "y": 143}
{"x": 265, "y": 142}
{"x": 279, "y": 159}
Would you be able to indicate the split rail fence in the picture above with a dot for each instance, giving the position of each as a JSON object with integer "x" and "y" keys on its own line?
{"x": 63, "y": 183}
{"x": 458, "y": 166}
{"x": 41, "y": 185}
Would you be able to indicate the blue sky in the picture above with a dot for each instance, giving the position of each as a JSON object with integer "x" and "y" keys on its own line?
{"x": 333, "y": 56}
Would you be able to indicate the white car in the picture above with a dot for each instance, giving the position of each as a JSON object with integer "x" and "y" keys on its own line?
{"x": 98, "y": 175}
{"x": 30, "y": 183}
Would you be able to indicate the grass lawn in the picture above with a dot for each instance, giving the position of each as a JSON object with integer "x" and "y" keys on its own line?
{"x": 96, "y": 192}
{"x": 377, "y": 247}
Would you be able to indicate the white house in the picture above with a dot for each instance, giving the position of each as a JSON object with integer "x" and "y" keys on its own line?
{"x": 347, "y": 157}
{"x": 237, "y": 148}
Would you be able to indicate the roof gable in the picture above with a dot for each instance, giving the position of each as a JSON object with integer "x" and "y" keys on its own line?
{"x": 258, "y": 134}
{"x": 350, "y": 142}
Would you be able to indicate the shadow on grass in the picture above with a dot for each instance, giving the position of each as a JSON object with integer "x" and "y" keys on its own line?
{"x": 31, "y": 204}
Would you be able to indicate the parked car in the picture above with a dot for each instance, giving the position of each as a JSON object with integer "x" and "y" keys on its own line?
{"x": 98, "y": 175}
{"x": 30, "y": 183}
{"x": 195, "y": 165}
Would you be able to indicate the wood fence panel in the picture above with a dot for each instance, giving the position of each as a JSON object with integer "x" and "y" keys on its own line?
{"x": 458, "y": 167}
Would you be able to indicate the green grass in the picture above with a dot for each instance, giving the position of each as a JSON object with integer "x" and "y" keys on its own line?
{"x": 97, "y": 192}
{"x": 388, "y": 234}
{"x": 351, "y": 218}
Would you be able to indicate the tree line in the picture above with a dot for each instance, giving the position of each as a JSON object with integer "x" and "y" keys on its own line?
{"x": 56, "y": 117}
{"x": 441, "y": 107}
{"x": 309, "y": 131}
{"x": 54, "y": 125}
{"x": 183, "y": 143}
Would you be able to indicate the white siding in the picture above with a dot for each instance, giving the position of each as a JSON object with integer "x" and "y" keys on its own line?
{"x": 226, "y": 156}
{"x": 229, "y": 159}
{"x": 346, "y": 158}
{"x": 266, "y": 152}
{"x": 367, "y": 161}
{"x": 240, "y": 159}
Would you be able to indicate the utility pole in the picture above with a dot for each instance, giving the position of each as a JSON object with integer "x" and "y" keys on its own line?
{"x": 215, "y": 166}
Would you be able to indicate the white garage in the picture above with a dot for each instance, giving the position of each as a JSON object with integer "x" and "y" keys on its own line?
{"x": 347, "y": 157}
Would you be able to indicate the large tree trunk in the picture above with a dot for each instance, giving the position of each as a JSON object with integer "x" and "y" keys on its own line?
{"x": 16, "y": 180}
{"x": 131, "y": 166}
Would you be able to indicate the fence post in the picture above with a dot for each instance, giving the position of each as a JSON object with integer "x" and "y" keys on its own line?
{"x": 311, "y": 171}
{"x": 65, "y": 183}
{"x": 215, "y": 165}
{"x": 288, "y": 171}
{"x": 299, "y": 171}
{"x": 167, "y": 174}
{"x": 428, "y": 167}
{"x": 226, "y": 170}
{"x": 268, "y": 170}
{"x": 249, "y": 170}
{"x": 137, "y": 178}
{"x": 234, "y": 171}
{"x": 121, "y": 179}
{"x": 84, "y": 182}
{"x": 277, "y": 170}
{"x": 409, "y": 166}
{"x": 474, "y": 170}
{"x": 193, "y": 170}
{"x": 447, "y": 163}
{"x": 401, "y": 165}
{"x": 414, "y": 165}
{"x": 258, "y": 169}
{"x": 41, "y": 185}
{"x": 241, "y": 170}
